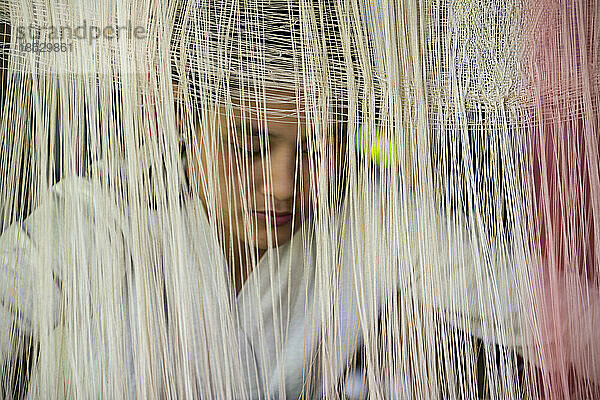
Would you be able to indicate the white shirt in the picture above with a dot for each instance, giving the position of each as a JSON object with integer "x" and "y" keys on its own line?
{"x": 272, "y": 338}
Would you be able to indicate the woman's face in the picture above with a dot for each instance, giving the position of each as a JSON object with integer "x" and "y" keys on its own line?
{"x": 265, "y": 170}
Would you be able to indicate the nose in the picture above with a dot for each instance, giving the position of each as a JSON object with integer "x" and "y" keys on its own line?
{"x": 280, "y": 185}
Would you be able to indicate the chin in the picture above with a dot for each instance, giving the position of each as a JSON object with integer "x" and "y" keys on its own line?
{"x": 283, "y": 235}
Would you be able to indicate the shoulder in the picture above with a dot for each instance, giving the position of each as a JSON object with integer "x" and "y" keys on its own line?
{"x": 67, "y": 222}
{"x": 32, "y": 250}
{"x": 400, "y": 241}
{"x": 75, "y": 203}
{"x": 469, "y": 278}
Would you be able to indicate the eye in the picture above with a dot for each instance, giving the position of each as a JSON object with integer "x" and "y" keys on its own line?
{"x": 248, "y": 140}
{"x": 247, "y": 148}
{"x": 251, "y": 151}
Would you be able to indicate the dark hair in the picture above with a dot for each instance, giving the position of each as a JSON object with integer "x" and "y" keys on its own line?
{"x": 224, "y": 48}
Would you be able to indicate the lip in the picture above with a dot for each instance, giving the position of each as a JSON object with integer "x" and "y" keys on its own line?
{"x": 276, "y": 218}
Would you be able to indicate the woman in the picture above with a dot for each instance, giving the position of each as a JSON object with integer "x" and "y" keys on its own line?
{"x": 201, "y": 280}
{"x": 241, "y": 269}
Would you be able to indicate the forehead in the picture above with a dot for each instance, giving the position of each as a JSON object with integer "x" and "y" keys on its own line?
{"x": 281, "y": 114}
{"x": 285, "y": 113}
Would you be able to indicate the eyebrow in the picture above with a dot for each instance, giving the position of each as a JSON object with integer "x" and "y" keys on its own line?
{"x": 254, "y": 130}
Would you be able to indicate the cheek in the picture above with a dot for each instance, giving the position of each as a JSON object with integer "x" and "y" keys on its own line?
{"x": 254, "y": 182}
{"x": 232, "y": 181}
{"x": 247, "y": 179}
{"x": 310, "y": 182}
{"x": 310, "y": 175}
